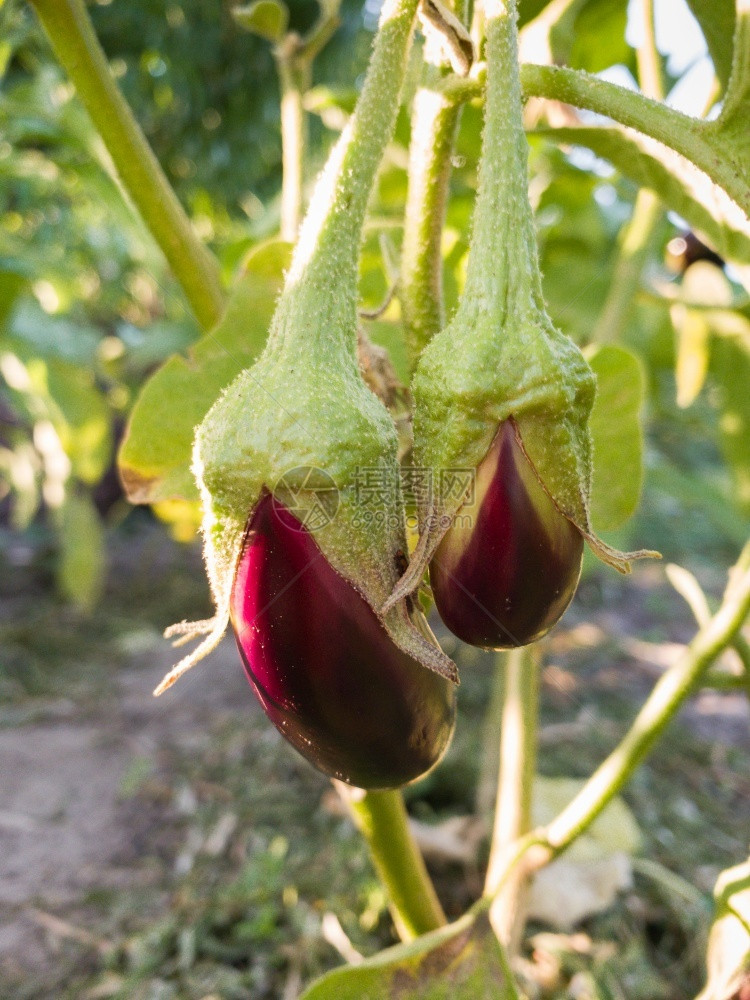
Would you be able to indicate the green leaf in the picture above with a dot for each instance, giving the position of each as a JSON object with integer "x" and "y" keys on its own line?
{"x": 12, "y": 283}
{"x": 681, "y": 186}
{"x": 590, "y": 35}
{"x": 588, "y": 877}
{"x": 730, "y": 365}
{"x": 80, "y": 570}
{"x": 52, "y": 336}
{"x": 156, "y": 452}
{"x": 703, "y": 284}
{"x": 460, "y": 962}
{"x": 390, "y": 335}
{"x": 529, "y": 9}
{"x": 267, "y": 18}
{"x": 693, "y": 348}
{"x": 717, "y": 21}
{"x": 618, "y": 436}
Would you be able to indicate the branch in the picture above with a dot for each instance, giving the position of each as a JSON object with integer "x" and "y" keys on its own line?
{"x": 539, "y": 847}
{"x": 514, "y": 789}
{"x": 294, "y": 57}
{"x": 382, "y": 820}
{"x": 434, "y": 126}
{"x": 71, "y": 33}
{"x": 693, "y": 138}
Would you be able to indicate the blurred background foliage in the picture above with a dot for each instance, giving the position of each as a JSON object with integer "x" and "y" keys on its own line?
{"x": 88, "y": 311}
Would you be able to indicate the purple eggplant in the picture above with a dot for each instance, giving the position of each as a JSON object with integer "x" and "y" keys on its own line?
{"x": 509, "y": 564}
{"x": 325, "y": 670}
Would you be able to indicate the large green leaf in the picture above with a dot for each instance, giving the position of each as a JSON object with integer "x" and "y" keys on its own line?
{"x": 681, "y": 186}
{"x": 155, "y": 455}
{"x": 717, "y": 21}
{"x": 460, "y": 962}
{"x": 618, "y": 436}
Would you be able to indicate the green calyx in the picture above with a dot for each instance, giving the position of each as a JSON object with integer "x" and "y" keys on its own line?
{"x": 302, "y": 412}
{"x": 501, "y": 355}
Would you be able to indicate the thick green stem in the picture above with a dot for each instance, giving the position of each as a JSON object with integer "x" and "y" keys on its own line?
{"x": 382, "y": 820}
{"x": 518, "y": 736}
{"x": 434, "y": 126}
{"x": 331, "y": 233}
{"x": 72, "y": 35}
{"x": 326, "y": 256}
{"x": 540, "y": 847}
{"x": 697, "y": 140}
{"x": 503, "y": 267}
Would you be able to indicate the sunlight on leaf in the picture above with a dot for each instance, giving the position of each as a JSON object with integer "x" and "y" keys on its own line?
{"x": 618, "y": 444}
{"x": 156, "y": 453}
{"x": 462, "y": 961}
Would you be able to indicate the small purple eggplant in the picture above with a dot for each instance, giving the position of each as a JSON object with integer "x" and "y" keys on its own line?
{"x": 324, "y": 668}
{"x": 509, "y": 564}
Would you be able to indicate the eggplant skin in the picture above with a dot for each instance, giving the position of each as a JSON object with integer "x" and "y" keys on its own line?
{"x": 509, "y": 565}
{"x": 324, "y": 668}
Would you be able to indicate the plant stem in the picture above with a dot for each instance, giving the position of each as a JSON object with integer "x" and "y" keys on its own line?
{"x": 489, "y": 762}
{"x": 660, "y": 708}
{"x": 503, "y": 262}
{"x": 697, "y": 140}
{"x": 435, "y": 123}
{"x": 69, "y": 28}
{"x": 382, "y": 820}
{"x": 434, "y": 127}
{"x": 541, "y": 846}
{"x": 294, "y": 80}
{"x": 514, "y": 791}
{"x": 327, "y": 252}
{"x": 637, "y": 235}
{"x": 650, "y": 76}
{"x": 294, "y": 57}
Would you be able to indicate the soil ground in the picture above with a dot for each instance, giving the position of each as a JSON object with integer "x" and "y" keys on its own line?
{"x": 160, "y": 849}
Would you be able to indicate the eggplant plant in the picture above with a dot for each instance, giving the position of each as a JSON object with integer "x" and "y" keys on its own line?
{"x": 298, "y": 447}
